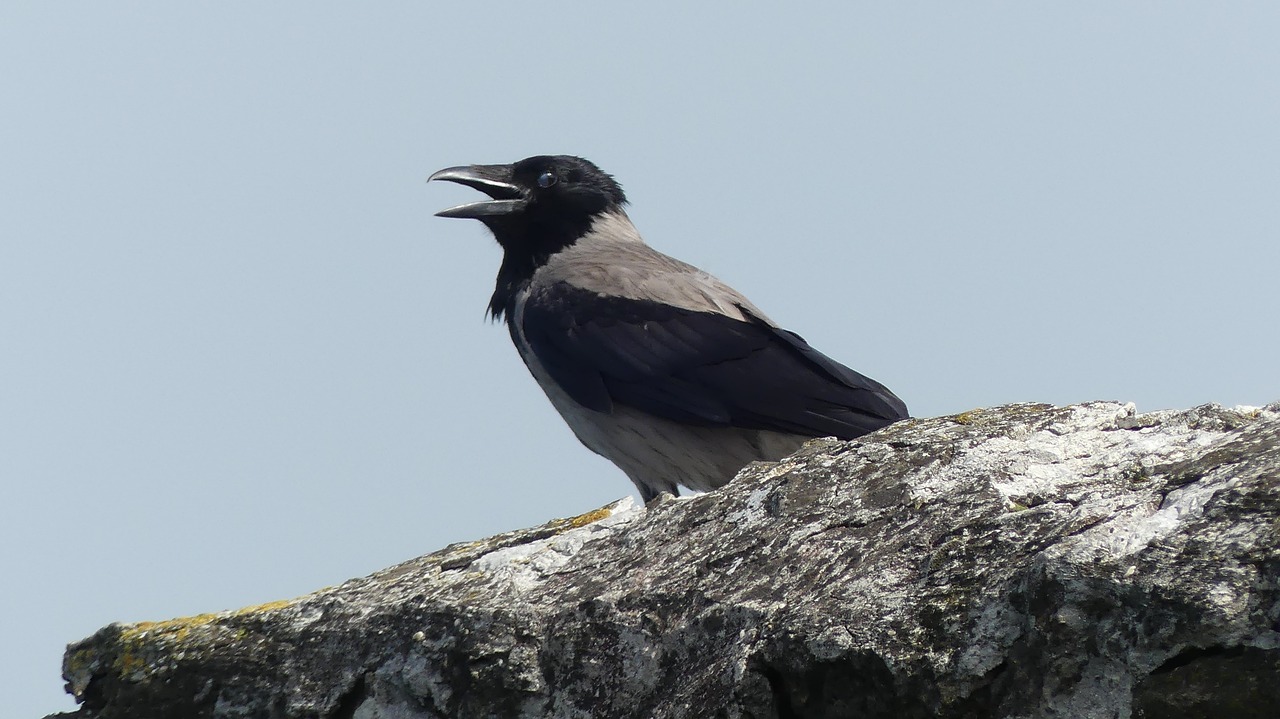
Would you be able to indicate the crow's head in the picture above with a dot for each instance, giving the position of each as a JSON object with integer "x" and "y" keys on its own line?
{"x": 538, "y": 204}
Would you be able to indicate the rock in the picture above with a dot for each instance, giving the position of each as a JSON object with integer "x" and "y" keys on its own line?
{"x": 1021, "y": 561}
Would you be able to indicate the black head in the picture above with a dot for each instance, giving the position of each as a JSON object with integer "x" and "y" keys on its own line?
{"x": 538, "y": 206}
{"x": 556, "y": 195}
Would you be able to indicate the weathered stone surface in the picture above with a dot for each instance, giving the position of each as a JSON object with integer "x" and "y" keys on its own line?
{"x": 1022, "y": 561}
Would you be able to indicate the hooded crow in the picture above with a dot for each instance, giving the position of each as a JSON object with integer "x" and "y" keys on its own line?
{"x": 655, "y": 365}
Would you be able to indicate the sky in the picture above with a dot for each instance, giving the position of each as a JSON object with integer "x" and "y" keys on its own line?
{"x": 240, "y": 359}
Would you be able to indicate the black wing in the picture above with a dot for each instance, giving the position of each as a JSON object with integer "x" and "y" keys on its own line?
{"x": 701, "y": 368}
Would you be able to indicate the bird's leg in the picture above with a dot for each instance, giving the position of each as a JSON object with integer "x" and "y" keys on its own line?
{"x": 649, "y": 493}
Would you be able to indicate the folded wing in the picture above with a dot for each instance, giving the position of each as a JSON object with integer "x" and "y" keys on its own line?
{"x": 698, "y": 367}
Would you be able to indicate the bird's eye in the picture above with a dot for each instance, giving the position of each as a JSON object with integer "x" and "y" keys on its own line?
{"x": 547, "y": 179}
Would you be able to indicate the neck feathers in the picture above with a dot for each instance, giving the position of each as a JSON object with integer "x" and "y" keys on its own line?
{"x": 523, "y": 256}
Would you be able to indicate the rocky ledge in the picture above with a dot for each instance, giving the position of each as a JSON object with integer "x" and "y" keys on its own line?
{"x": 1020, "y": 561}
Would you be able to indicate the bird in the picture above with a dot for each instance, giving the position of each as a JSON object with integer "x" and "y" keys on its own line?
{"x": 654, "y": 364}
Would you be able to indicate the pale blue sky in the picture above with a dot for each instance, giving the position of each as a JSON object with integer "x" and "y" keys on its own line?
{"x": 241, "y": 360}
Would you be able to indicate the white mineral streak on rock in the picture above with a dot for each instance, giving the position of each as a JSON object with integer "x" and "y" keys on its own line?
{"x": 525, "y": 566}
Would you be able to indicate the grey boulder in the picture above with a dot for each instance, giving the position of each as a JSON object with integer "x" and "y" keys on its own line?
{"x": 1020, "y": 561}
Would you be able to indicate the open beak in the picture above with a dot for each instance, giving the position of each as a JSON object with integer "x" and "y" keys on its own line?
{"x": 492, "y": 180}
